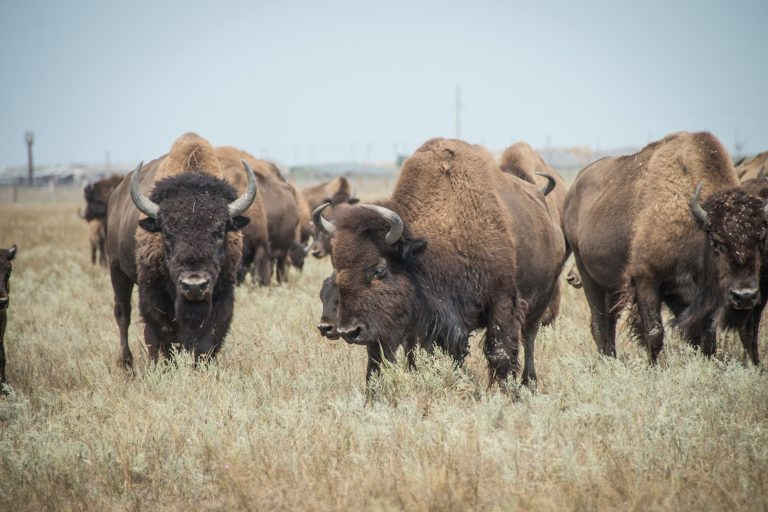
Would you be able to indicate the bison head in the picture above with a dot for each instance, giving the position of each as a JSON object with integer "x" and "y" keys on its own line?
{"x": 735, "y": 224}
{"x": 329, "y": 295}
{"x": 193, "y": 212}
{"x": 375, "y": 263}
{"x": 321, "y": 245}
{"x": 6, "y": 256}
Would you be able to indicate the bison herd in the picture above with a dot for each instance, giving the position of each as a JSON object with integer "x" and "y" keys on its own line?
{"x": 463, "y": 243}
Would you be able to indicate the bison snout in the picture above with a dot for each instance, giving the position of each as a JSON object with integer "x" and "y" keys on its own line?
{"x": 195, "y": 286}
{"x": 328, "y": 330}
{"x": 3, "y": 302}
{"x": 351, "y": 334}
{"x": 744, "y": 298}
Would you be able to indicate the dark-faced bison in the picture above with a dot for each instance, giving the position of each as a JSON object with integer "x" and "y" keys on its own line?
{"x": 459, "y": 246}
{"x": 174, "y": 229}
{"x": 642, "y": 237}
{"x": 335, "y": 192}
{"x": 96, "y": 197}
{"x": 6, "y": 256}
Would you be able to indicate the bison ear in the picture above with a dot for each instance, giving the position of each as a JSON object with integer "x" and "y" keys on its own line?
{"x": 353, "y": 200}
{"x": 12, "y": 252}
{"x": 150, "y": 224}
{"x": 411, "y": 247}
{"x": 237, "y": 223}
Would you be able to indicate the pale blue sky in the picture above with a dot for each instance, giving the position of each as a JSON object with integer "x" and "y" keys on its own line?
{"x": 336, "y": 80}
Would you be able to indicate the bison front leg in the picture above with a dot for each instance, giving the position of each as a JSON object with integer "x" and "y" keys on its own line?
{"x": 649, "y": 309}
{"x": 529, "y": 370}
{"x": 122, "y": 286}
{"x": 502, "y": 340}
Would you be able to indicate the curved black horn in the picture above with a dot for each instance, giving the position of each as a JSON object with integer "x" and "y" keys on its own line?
{"x": 142, "y": 202}
{"x": 696, "y": 208}
{"x": 396, "y": 225}
{"x": 321, "y": 223}
{"x": 243, "y": 202}
{"x": 550, "y": 183}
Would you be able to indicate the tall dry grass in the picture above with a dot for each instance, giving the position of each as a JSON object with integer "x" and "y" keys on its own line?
{"x": 280, "y": 421}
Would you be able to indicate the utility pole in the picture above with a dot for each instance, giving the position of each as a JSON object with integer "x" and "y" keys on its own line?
{"x": 458, "y": 112}
{"x": 30, "y": 137}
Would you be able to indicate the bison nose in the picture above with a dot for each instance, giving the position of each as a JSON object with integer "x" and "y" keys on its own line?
{"x": 744, "y": 298}
{"x": 350, "y": 334}
{"x": 3, "y": 302}
{"x": 324, "y": 328}
{"x": 194, "y": 286}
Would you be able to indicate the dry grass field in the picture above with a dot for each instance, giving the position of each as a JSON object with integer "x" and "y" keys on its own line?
{"x": 280, "y": 420}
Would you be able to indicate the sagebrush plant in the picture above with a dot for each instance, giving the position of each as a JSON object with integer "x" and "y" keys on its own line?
{"x": 282, "y": 419}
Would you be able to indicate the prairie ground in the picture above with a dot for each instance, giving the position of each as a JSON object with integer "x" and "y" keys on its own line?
{"x": 280, "y": 420}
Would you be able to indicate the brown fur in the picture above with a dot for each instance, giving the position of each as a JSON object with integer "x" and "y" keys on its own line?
{"x": 279, "y": 205}
{"x": 750, "y": 168}
{"x": 521, "y": 160}
{"x": 452, "y": 196}
{"x": 338, "y": 190}
{"x": 632, "y": 232}
{"x": 96, "y": 236}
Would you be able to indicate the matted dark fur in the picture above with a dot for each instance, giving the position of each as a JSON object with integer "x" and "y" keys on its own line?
{"x": 455, "y": 268}
{"x": 6, "y": 256}
{"x": 185, "y": 261}
{"x": 638, "y": 244}
{"x": 337, "y": 191}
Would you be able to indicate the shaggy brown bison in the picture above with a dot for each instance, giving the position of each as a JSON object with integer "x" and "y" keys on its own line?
{"x": 524, "y": 162}
{"x": 459, "y": 246}
{"x": 751, "y": 168}
{"x": 280, "y": 208}
{"x": 641, "y": 237}
{"x": 96, "y": 197}
{"x": 183, "y": 252}
{"x": 6, "y": 256}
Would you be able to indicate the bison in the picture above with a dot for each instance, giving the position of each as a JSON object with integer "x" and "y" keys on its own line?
{"x": 458, "y": 246}
{"x": 6, "y": 256}
{"x": 174, "y": 229}
{"x": 329, "y": 295}
{"x": 96, "y": 197}
{"x": 280, "y": 207}
{"x": 751, "y": 168}
{"x": 335, "y": 192}
{"x": 642, "y": 237}
{"x": 524, "y": 162}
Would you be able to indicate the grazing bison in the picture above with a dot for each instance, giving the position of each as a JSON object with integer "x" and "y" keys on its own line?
{"x": 6, "y": 256}
{"x": 183, "y": 252}
{"x": 641, "y": 237}
{"x": 96, "y": 197}
{"x": 524, "y": 162}
{"x": 459, "y": 246}
{"x": 751, "y": 168}
{"x": 280, "y": 207}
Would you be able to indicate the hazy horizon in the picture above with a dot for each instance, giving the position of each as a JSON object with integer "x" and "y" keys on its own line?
{"x": 300, "y": 83}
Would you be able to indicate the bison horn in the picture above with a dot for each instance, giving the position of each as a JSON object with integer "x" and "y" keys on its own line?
{"x": 244, "y": 202}
{"x": 396, "y": 225}
{"x": 321, "y": 223}
{"x": 142, "y": 202}
{"x": 696, "y": 208}
{"x": 550, "y": 183}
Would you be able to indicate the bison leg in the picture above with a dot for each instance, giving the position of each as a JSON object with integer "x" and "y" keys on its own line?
{"x": 102, "y": 254}
{"x": 603, "y": 315}
{"x": 261, "y": 271}
{"x": 94, "y": 249}
{"x": 553, "y": 308}
{"x": 649, "y": 309}
{"x": 529, "y": 370}
{"x": 748, "y": 332}
{"x": 280, "y": 258}
{"x": 156, "y": 343}
{"x": 122, "y": 287}
{"x": 502, "y": 340}
{"x": 3, "y": 381}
